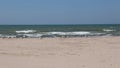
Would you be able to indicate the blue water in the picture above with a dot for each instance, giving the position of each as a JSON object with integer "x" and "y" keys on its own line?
{"x": 59, "y": 30}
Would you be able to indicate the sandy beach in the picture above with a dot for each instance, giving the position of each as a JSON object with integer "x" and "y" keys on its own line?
{"x": 95, "y": 52}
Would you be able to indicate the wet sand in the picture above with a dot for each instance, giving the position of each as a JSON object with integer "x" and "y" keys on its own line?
{"x": 95, "y": 52}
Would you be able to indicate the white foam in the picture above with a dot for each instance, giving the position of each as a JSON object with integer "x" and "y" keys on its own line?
{"x": 80, "y": 33}
{"x": 26, "y": 31}
{"x": 57, "y": 33}
{"x": 108, "y": 30}
{"x": 70, "y": 33}
{"x": 33, "y": 35}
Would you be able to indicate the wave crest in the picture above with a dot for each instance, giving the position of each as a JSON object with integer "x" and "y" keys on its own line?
{"x": 26, "y": 31}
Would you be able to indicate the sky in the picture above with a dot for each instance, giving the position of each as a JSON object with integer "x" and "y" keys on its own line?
{"x": 59, "y": 11}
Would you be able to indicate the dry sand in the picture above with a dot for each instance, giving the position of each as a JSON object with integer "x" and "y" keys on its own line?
{"x": 96, "y": 52}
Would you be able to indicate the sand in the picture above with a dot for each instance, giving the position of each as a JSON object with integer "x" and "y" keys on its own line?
{"x": 95, "y": 52}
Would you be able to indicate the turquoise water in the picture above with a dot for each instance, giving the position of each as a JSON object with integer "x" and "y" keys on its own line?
{"x": 104, "y": 29}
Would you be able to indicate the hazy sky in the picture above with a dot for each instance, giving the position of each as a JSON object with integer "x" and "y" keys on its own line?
{"x": 59, "y": 11}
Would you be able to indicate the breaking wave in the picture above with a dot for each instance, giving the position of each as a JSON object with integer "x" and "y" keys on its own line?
{"x": 70, "y": 33}
{"x": 31, "y": 34}
{"x": 26, "y": 31}
{"x": 108, "y": 30}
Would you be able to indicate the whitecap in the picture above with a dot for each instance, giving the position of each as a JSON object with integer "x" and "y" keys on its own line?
{"x": 26, "y": 31}
{"x": 69, "y": 33}
{"x": 108, "y": 30}
{"x": 80, "y": 33}
{"x": 56, "y": 33}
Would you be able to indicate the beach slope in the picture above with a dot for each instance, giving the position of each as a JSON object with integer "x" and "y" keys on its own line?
{"x": 96, "y": 52}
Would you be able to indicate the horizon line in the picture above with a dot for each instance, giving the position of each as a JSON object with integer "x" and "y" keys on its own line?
{"x": 61, "y": 24}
